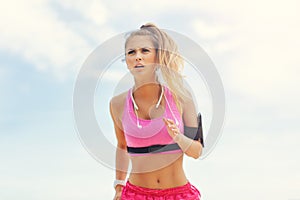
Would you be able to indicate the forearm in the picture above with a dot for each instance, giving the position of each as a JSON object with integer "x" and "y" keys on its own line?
{"x": 122, "y": 161}
{"x": 190, "y": 147}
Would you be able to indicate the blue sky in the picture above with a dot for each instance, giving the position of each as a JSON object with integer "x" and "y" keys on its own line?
{"x": 254, "y": 46}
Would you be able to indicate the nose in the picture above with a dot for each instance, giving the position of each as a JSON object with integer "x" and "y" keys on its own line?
{"x": 138, "y": 56}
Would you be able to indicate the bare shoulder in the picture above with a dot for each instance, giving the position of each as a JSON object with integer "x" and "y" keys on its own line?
{"x": 116, "y": 110}
{"x": 187, "y": 99}
{"x": 117, "y": 103}
{"x": 189, "y": 109}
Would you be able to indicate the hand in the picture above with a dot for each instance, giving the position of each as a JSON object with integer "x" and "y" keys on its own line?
{"x": 172, "y": 128}
{"x": 118, "y": 193}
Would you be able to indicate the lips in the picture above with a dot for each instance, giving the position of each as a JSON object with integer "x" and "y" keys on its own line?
{"x": 139, "y": 66}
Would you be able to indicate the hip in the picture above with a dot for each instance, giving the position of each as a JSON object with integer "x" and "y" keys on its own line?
{"x": 186, "y": 192}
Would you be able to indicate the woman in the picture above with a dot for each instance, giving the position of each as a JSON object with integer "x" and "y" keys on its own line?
{"x": 154, "y": 122}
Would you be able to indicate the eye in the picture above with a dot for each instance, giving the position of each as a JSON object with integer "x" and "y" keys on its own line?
{"x": 145, "y": 50}
{"x": 130, "y": 52}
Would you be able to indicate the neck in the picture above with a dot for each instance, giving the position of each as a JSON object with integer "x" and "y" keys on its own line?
{"x": 139, "y": 82}
{"x": 147, "y": 90}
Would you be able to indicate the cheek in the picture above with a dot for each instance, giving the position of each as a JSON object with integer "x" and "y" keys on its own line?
{"x": 151, "y": 58}
{"x": 129, "y": 62}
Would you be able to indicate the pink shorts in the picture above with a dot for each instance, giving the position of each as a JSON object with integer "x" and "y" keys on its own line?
{"x": 185, "y": 192}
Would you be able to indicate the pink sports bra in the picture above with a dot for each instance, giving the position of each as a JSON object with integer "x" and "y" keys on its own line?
{"x": 151, "y": 136}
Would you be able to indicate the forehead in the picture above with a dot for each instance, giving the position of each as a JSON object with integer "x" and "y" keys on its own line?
{"x": 139, "y": 41}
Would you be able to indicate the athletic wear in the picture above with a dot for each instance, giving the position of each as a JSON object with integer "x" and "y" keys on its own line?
{"x": 185, "y": 192}
{"x": 152, "y": 132}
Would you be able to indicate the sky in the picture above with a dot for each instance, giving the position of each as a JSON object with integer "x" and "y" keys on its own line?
{"x": 253, "y": 44}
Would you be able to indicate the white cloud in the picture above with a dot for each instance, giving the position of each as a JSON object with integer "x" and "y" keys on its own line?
{"x": 208, "y": 30}
{"x": 92, "y": 10}
{"x": 265, "y": 67}
{"x": 31, "y": 30}
{"x": 256, "y": 49}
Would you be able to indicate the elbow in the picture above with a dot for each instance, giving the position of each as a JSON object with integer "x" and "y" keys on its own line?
{"x": 194, "y": 155}
{"x": 197, "y": 153}
{"x": 122, "y": 146}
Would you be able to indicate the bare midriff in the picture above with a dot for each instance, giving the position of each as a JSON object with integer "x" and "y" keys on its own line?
{"x": 158, "y": 171}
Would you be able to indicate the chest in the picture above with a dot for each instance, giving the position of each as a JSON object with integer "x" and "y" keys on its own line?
{"x": 149, "y": 110}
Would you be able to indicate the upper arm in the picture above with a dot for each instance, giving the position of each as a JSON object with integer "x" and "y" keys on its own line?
{"x": 115, "y": 115}
{"x": 189, "y": 114}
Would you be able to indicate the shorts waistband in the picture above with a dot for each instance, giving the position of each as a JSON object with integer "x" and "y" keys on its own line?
{"x": 179, "y": 189}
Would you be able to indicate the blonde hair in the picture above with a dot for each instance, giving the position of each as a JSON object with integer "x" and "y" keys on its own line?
{"x": 171, "y": 63}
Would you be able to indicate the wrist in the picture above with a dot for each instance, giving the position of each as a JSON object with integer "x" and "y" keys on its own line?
{"x": 177, "y": 137}
{"x": 119, "y": 183}
{"x": 119, "y": 188}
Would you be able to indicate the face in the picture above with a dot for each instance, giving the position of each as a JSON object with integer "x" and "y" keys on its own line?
{"x": 140, "y": 55}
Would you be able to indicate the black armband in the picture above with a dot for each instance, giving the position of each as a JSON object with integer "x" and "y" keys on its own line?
{"x": 195, "y": 133}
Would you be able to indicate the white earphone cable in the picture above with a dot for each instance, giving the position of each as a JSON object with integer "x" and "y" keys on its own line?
{"x": 136, "y": 107}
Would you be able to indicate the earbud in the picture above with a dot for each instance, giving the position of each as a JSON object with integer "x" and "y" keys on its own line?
{"x": 139, "y": 126}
